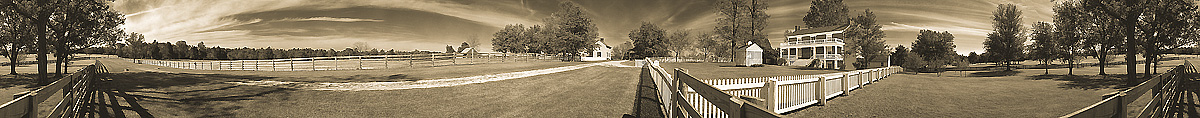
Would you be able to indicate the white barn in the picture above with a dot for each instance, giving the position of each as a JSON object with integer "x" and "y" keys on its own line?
{"x": 600, "y": 52}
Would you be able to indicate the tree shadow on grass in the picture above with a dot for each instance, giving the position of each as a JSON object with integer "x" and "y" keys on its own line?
{"x": 1000, "y": 73}
{"x": 16, "y": 80}
{"x": 198, "y": 95}
{"x": 1086, "y": 82}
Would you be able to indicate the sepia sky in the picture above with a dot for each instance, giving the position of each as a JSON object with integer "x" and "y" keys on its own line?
{"x": 433, "y": 24}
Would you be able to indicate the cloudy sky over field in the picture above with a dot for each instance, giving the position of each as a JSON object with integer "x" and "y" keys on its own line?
{"x": 433, "y": 24}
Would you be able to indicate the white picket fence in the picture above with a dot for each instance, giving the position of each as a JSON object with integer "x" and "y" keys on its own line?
{"x": 688, "y": 59}
{"x": 347, "y": 62}
{"x": 782, "y": 94}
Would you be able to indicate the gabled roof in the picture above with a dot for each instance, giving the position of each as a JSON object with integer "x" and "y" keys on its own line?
{"x": 750, "y": 44}
{"x": 819, "y": 29}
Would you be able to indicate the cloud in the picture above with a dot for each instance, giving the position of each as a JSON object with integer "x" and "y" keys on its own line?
{"x": 333, "y": 19}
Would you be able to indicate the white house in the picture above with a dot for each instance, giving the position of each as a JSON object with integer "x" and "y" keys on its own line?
{"x": 820, "y": 47}
{"x": 600, "y": 52}
{"x": 748, "y": 55}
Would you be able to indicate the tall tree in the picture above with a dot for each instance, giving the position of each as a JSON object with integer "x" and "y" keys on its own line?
{"x": 1005, "y": 42}
{"x": 826, "y": 13}
{"x": 866, "y": 37}
{"x": 1127, "y": 13}
{"x": 1044, "y": 48}
{"x": 575, "y": 31}
{"x": 1166, "y": 25}
{"x": 899, "y": 55}
{"x": 679, "y": 42}
{"x": 648, "y": 41}
{"x": 509, "y": 39}
{"x": 934, "y": 47}
{"x": 741, "y": 21}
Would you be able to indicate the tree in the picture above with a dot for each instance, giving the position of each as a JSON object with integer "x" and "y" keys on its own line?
{"x": 679, "y": 42}
{"x": 1100, "y": 34}
{"x": 363, "y": 46}
{"x": 509, "y": 39}
{"x": 14, "y": 38}
{"x": 648, "y": 41}
{"x": 574, "y": 31}
{"x": 865, "y": 37}
{"x": 1044, "y": 48}
{"x": 973, "y": 57}
{"x": 1165, "y": 26}
{"x": 741, "y": 21}
{"x": 622, "y": 51}
{"x": 826, "y": 13}
{"x": 1005, "y": 42}
{"x": 934, "y": 47}
{"x": 899, "y": 57}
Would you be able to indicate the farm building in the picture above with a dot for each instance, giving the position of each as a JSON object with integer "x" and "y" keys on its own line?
{"x": 820, "y": 47}
{"x": 748, "y": 55}
{"x": 600, "y": 52}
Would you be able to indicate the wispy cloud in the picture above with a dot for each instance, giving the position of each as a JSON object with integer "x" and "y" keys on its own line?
{"x": 334, "y": 19}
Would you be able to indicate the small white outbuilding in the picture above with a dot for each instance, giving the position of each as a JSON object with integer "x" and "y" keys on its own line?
{"x": 748, "y": 55}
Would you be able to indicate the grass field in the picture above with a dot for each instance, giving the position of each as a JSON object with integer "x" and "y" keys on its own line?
{"x": 588, "y": 92}
{"x": 980, "y": 93}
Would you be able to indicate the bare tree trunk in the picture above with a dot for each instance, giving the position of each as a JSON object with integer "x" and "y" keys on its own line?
{"x": 41, "y": 23}
{"x": 1129, "y": 21}
{"x": 12, "y": 60}
{"x": 1103, "y": 54}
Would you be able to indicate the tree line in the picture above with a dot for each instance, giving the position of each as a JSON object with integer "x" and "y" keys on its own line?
{"x": 135, "y": 47}
{"x": 1089, "y": 28}
{"x": 566, "y": 33}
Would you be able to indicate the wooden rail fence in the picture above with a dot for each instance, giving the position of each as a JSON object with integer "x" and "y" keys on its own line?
{"x": 347, "y": 62}
{"x": 1165, "y": 90}
{"x": 683, "y": 95}
{"x": 77, "y": 91}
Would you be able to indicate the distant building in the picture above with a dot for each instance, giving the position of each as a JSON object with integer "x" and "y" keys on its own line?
{"x": 748, "y": 55}
{"x": 820, "y": 47}
{"x": 600, "y": 52}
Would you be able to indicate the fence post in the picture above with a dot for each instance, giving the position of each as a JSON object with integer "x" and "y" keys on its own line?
{"x": 32, "y": 111}
{"x": 846, "y": 84}
{"x": 768, "y": 94}
{"x": 335, "y": 60}
{"x": 360, "y": 63}
{"x": 821, "y": 90}
{"x": 410, "y": 61}
{"x": 314, "y": 63}
{"x": 291, "y": 65}
{"x": 1120, "y": 110}
{"x": 385, "y": 62}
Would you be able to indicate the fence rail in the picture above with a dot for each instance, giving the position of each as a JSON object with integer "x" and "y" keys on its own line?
{"x": 683, "y": 95}
{"x": 1165, "y": 89}
{"x": 347, "y": 62}
{"x": 77, "y": 90}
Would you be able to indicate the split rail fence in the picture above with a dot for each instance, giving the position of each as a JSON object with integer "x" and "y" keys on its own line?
{"x": 1166, "y": 90}
{"x": 683, "y": 95}
{"x": 348, "y": 62}
{"x": 77, "y": 91}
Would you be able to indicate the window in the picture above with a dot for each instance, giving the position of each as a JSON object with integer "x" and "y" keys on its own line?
{"x": 599, "y": 54}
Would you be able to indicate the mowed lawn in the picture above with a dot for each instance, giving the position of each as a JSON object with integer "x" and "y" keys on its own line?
{"x": 1021, "y": 93}
{"x": 588, "y": 92}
